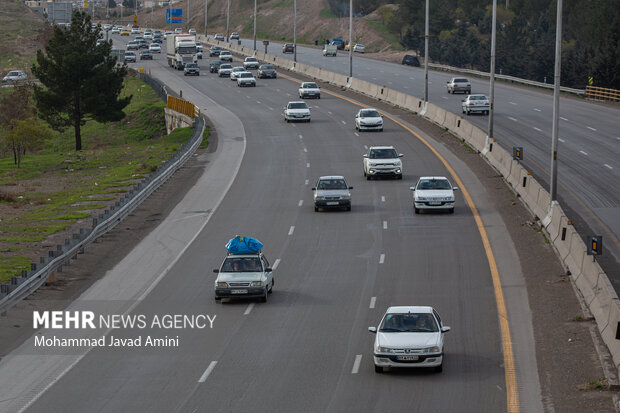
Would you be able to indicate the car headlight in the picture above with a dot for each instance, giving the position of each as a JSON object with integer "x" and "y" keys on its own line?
{"x": 431, "y": 350}
{"x": 319, "y": 198}
{"x": 379, "y": 349}
{"x": 222, "y": 284}
{"x": 345, "y": 197}
{"x": 420, "y": 199}
{"x": 257, "y": 283}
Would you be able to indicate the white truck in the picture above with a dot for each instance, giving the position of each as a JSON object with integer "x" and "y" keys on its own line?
{"x": 330, "y": 50}
{"x": 181, "y": 49}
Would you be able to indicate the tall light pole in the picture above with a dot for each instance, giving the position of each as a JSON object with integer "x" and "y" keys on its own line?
{"x": 350, "y": 38}
{"x": 227, "y": 20}
{"x": 255, "y": 7}
{"x": 492, "y": 73}
{"x": 294, "y": 30}
{"x": 426, "y": 56}
{"x": 188, "y": 17}
{"x": 206, "y": 11}
{"x": 556, "y": 104}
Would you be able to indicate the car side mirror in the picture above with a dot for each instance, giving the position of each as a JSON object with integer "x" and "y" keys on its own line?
{"x": 463, "y": 100}
{"x": 400, "y": 155}
{"x": 372, "y": 329}
{"x": 356, "y": 116}
{"x": 455, "y": 188}
{"x": 314, "y": 189}
{"x": 350, "y": 187}
{"x": 381, "y": 115}
{"x": 412, "y": 188}
{"x": 216, "y": 271}
{"x": 445, "y": 329}
{"x": 268, "y": 269}
{"x": 365, "y": 155}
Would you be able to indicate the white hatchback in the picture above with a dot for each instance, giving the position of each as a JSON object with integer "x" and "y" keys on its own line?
{"x": 383, "y": 161}
{"x": 297, "y": 111}
{"x": 433, "y": 192}
{"x": 368, "y": 119}
{"x": 410, "y": 337}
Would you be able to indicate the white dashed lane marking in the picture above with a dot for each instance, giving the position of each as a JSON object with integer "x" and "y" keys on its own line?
{"x": 561, "y": 140}
{"x": 563, "y": 118}
{"x": 381, "y": 258}
{"x": 249, "y": 309}
{"x": 537, "y": 110}
{"x": 373, "y": 301}
{"x": 382, "y": 198}
{"x": 384, "y": 224}
{"x": 591, "y": 128}
{"x": 585, "y": 153}
{"x": 538, "y": 129}
{"x": 275, "y": 264}
{"x": 512, "y": 119}
{"x": 356, "y": 364}
{"x": 290, "y": 231}
{"x": 301, "y": 202}
{"x": 512, "y": 103}
{"x": 208, "y": 371}
{"x": 608, "y": 166}
{"x": 306, "y": 182}
{"x": 308, "y": 165}
{"x": 356, "y": 134}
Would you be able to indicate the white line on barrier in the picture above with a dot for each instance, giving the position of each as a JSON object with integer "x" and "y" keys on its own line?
{"x": 381, "y": 258}
{"x": 591, "y": 128}
{"x": 249, "y": 309}
{"x": 373, "y": 301}
{"x": 382, "y": 198}
{"x": 512, "y": 119}
{"x": 290, "y": 231}
{"x": 563, "y": 118}
{"x": 537, "y": 110}
{"x": 208, "y": 371}
{"x": 384, "y": 224}
{"x": 301, "y": 202}
{"x": 356, "y": 364}
{"x": 585, "y": 153}
{"x": 608, "y": 166}
{"x": 275, "y": 264}
{"x": 538, "y": 129}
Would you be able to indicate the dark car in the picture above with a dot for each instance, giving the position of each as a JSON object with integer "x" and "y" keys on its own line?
{"x": 215, "y": 51}
{"x": 411, "y": 60}
{"x": 267, "y": 71}
{"x": 146, "y": 55}
{"x": 143, "y": 44}
{"x": 191, "y": 69}
{"x": 214, "y": 66}
{"x": 288, "y": 48}
{"x": 158, "y": 39}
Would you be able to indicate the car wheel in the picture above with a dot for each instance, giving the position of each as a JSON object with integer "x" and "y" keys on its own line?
{"x": 486, "y": 112}
{"x": 308, "y": 121}
{"x": 218, "y": 299}
{"x": 368, "y": 177}
{"x": 467, "y": 112}
{"x": 271, "y": 288}
{"x": 381, "y": 130}
{"x": 439, "y": 368}
{"x": 316, "y": 209}
{"x": 400, "y": 177}
{"x": 378, "y": 369}
{"x": 417, "y": 211}
{"x": 319, "y": 97}
{"x": 451, "y": 211}
{"x": 349, "y": 208}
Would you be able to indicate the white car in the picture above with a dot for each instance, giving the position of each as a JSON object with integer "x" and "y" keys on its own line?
{"x": 244, "y": 276}
{"x": 14, "y": 76}
{"x": 236, "y": 70}
{"x": 433, "y": 192}
{"x": 458, "y": 84}
{"x": 226, "y": 56}
{"x": 135, "y": 30}
{"x": 475, "y": 103}
{"x": 166, "y": 34}
{"x": 178, "y": 30}
{"x": 383, "y": 161}
{"x": 359, "y": 48}
{"x": 219, "y": 36}
{"x": 224, "y": 70}
{"x": 250, "y": 63}
{"x": 192, "y": 32}
{"x": 297, "y": 110}
{"x": 116, "y": 30}
{"x": 246, "y": 79}
{"x": 410, "y": 337}
{"x": 155, "y": 48}
{"x": 368, "y": 119}
{"x": 309, "y": 90}
{"x": 332, "y": 192}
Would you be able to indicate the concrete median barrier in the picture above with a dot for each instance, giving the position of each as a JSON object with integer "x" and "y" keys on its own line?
{"x": 554, "y": 228}
{"x": 531, "y": 197}
{"x": 478, "y": 139}
{"x": 542, "y": 205}
{"x": 340, "y": 80}
{"x": 515, "y": 174}
{"x": 451, "y": 121}
{"x": 413, "y": 104}
{"x": 576, "y": 254}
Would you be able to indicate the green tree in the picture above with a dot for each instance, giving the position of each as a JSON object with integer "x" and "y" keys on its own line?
{"x": 25, "y": 135}
{"x": 80, "y": 80}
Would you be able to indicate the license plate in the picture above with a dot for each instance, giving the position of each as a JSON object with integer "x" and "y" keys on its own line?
{"x": 407, "y": 358}
{"x": 239, "y": 291}
{"x": 434, "y": 203}
{"x": 331, "y": 203}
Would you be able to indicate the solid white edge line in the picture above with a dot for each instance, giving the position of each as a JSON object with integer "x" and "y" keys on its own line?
{"x": 384, "y": 224}
{"x": 306, "y": 182}
{"x": 373, "y": 301}
{"x": 249, "y": 309}
{"x": 585, "y": 153}
{"x": 275, "y": 264}
{"x": 301, "y": 202}
{"x": 381, "y": 258}
{"x": 382, "y": 198}
{"x": 308, "y": 165}
{"x": 356, "y": 364}
{"x": 290, "y": 231}
{"x": 208, "y": 371}
{"x": 608, "y": 166}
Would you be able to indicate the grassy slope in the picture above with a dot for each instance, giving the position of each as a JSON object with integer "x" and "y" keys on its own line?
{"x": 56, "y": 187}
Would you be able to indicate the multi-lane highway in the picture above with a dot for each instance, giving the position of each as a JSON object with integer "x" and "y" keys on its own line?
{"x": 307, "y": 349}
{"x": 589, "y": 138}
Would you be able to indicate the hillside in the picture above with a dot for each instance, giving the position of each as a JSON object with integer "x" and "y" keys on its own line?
{"x": 22, "y": 33}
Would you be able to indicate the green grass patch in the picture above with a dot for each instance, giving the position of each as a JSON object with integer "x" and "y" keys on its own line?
{"x": 11, "y": 266}
{"x": 327, "y": 13}
{"x": 383, "y": 31}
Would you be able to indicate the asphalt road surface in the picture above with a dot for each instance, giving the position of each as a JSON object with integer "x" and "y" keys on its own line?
{"x": 588, "y": 147}
{"x": 307, "y": 349}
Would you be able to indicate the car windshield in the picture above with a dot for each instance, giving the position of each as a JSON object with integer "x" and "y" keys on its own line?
{"x": 310, "y": 86}
{"x": 226, "y": 66}
{"x": 238, "y": 69}
{"x": 246, "y": 74}
{"x": 434, "y": 184}
{"x": 383, "y": 154}
{"x": 409, "y": 323}
{"x": 247, "y": 264}
{"x": 266, "y": 67}
{"x": 477, "y": 97}
{"x": 369, "y": 114}
{"x": 225, "y": 52}
{"x": 251, "y": 59}
{"x": 191, "y": 65}
{"x": 332, "y": 184}
{"x": 462, "y": 80}
{"x": 297, "y": 105}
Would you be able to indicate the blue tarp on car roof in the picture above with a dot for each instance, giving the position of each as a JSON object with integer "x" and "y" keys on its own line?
{"x": 244, "y": 245}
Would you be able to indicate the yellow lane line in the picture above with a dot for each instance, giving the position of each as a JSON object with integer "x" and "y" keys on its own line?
{"x": 512, "y": 394}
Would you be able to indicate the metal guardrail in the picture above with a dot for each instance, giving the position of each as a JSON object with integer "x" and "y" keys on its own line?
{"x": 601, "y": 93}
{"x": 30, "y": 281}
{"x": 507, "y": 78}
